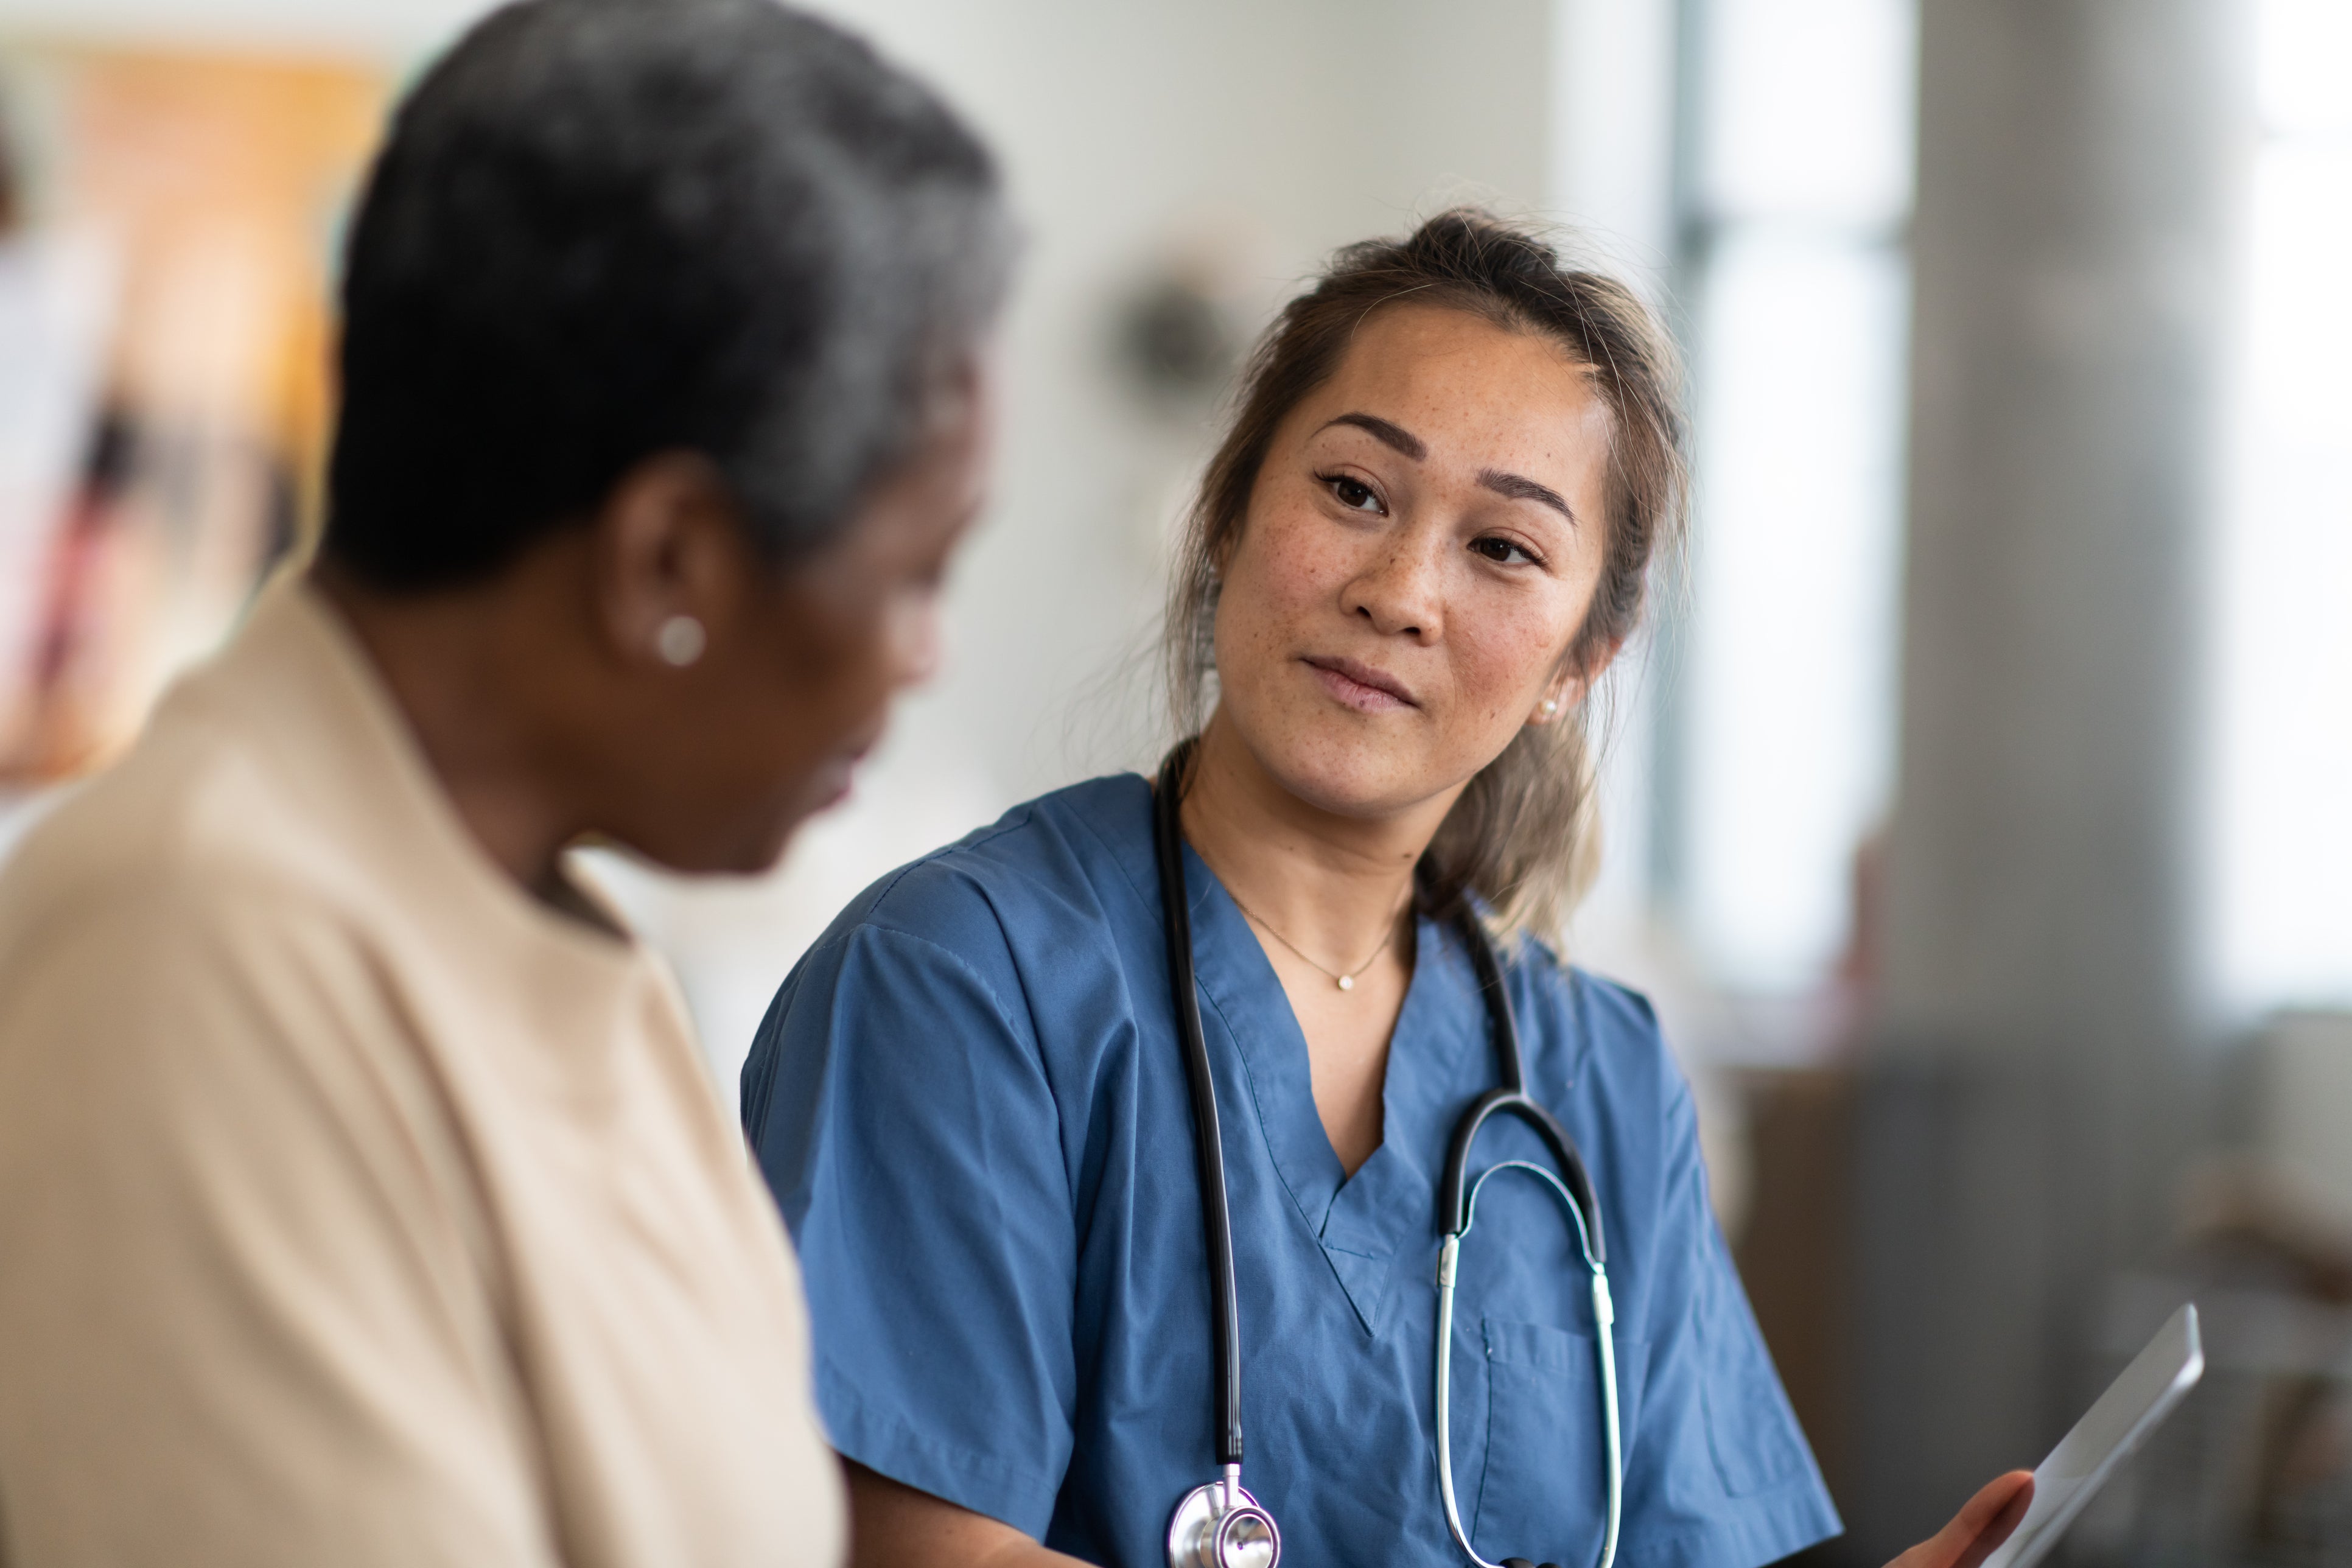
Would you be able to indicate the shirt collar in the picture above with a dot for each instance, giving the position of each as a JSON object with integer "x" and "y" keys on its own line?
{"x": 295, "y": 682}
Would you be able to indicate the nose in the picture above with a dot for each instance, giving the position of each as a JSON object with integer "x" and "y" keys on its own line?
{"x": 1398, "y": 591}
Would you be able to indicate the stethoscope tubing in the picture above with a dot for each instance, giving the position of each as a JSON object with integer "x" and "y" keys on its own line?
{"x": 1457, "y": 1206}
{"x": 1604, "y": 1318}
{"x": 1216, "y": 1209}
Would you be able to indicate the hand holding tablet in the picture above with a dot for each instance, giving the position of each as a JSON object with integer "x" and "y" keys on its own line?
{"x": 2017, "y": 1519}
{"x": 2157, "y": 1380}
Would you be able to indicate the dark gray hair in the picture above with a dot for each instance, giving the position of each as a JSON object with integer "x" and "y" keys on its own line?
{"x": 603, "y": 229}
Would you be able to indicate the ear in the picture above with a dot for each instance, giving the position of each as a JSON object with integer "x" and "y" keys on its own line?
{"x": 1565, "y": 691}
{"x": 669, "y": 557}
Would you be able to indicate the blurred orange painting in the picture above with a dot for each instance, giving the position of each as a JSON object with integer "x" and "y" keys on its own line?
{"x": 170, "y": 226}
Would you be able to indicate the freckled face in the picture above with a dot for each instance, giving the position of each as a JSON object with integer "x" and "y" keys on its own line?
{"x": 1421, "y": 546}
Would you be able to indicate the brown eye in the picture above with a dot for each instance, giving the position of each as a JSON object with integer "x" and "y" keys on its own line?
{"x": 1502, "y": 552}
{"x": 1354, "y": 494}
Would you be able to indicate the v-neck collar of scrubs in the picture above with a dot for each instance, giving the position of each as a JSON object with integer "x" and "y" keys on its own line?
{"x": 1437, "y": 1051}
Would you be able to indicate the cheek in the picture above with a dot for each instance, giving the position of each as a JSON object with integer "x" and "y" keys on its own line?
{"x": 1503, "y": 661}
{"x": 1305, "y": 558}
{"x": 1287, "y": 568}
{"x": 852, "y": 674}
{"x": 1507, "y": 655}
{"x": 826, "y": 660}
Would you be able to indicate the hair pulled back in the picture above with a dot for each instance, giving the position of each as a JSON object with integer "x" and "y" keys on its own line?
{"x": 1523, "y": 839}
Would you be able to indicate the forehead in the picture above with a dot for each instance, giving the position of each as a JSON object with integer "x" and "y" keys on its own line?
{"x": 1467, "y": 387}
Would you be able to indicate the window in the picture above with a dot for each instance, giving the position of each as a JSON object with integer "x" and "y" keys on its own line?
{"x": 2281, "y": 829}
{"x": 1796, "y": 191}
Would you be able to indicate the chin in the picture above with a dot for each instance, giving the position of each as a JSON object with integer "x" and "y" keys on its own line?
{"x": 1349, "y": 797}
{"x": 752, "y": 852}
{"x": 767, "y": 851}
{"x": 1347, "y": 774}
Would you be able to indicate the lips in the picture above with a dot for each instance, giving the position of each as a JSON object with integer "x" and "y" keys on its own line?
{"x": 1361, "y": 686}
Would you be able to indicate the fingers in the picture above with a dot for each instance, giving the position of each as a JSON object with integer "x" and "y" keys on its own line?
{"x": 2012, "y": 1494}
{"x": 1981, "y": 1525}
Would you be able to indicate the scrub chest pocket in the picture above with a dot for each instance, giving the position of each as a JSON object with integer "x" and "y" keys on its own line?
{"x": 1543, "y": 1482}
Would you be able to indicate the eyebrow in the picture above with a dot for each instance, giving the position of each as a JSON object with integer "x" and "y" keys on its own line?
{"x": 1385, "y": 432}
{"x": 1518, "y": 486}
{"x": 1511, "y": 487}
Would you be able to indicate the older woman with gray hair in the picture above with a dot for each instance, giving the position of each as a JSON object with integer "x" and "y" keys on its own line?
{"x": 361, "y": 1197}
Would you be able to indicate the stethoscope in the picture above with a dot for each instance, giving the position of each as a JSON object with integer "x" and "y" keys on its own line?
{"x": 1220, "y": 1524}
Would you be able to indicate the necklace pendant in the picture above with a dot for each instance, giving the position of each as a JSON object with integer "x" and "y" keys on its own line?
{"x": 1347, "y": 983}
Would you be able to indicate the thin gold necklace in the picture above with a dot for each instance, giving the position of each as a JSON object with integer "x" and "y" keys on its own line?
{"x": 1346, "y": 982}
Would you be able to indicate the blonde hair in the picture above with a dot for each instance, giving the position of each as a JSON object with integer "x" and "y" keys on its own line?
{"x": 1523, "y": 839}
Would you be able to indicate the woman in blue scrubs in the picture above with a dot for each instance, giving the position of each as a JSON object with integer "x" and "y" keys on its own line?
{"x": 1426, "y": 535}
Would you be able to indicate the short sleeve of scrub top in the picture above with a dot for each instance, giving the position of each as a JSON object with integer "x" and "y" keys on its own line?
{"x": 970, "y": 1100}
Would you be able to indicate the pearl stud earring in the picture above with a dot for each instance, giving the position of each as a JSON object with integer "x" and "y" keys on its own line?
{"x": 1551, "y": 707}
{"x": 680, "y": 641}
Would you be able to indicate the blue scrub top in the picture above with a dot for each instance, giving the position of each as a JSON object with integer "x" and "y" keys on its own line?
{"x": 970, "y": 1100}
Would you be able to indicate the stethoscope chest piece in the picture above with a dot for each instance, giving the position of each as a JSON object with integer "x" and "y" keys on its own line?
{"x": 1220, "y": 1526}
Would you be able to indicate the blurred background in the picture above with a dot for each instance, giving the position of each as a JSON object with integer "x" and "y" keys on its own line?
{"x": 1979, "y": 811}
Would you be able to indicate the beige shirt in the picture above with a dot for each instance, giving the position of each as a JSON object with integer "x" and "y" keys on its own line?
{"x": 356, "y": 1208}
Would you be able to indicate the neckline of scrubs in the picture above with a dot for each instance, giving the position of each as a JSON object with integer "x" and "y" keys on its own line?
{"x": 1439, "y": 1045}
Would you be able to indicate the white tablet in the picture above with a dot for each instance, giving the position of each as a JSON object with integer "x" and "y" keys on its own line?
{"x": 2125, "y": 1414}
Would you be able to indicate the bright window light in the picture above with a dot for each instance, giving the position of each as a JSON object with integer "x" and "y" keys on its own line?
{"x": 1791, "y": 643}
{"x": 1800, "y": 188}
{"x": 2282, "y": 733}
{"x": 1804, "y": 110}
